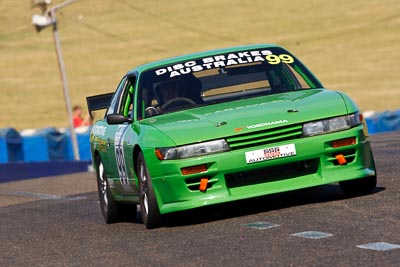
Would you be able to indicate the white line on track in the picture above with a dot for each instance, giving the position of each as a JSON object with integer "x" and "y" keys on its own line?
{"x": 42, "y": 196}
{"x": 379, "y": 246}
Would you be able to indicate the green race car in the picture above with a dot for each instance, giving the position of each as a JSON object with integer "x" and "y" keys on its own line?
{"x": 220, "y": 126}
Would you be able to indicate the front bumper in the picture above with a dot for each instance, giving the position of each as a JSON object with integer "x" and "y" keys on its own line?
{"x": 231, "y": 178}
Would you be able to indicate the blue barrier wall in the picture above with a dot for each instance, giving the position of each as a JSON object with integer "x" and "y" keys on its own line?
{"x": 41, "y": 153}
{"x": 383, "y": 122}
{"x": 48, "y": 144}
{"x": 21, "y": 170}
{"x": 84, "y": 146}
{"x": 35, "y": 148}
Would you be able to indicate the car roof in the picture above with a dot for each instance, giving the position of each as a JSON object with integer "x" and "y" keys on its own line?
{"x": 181, "y": 58}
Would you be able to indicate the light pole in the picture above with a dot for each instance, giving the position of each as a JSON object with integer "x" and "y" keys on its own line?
{"x": 42, "y": 21}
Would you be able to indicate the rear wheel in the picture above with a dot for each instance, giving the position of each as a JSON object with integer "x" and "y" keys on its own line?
{"x": 148, "y": 204}
{"x": 358, "y": 186}
{"x": 111, "y": 210}
{"x": 107, "y": 203}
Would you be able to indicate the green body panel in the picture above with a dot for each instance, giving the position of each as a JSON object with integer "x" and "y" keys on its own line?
{"x": 279, "y": 117}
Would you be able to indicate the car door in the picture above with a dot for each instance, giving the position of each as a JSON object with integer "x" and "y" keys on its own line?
{"x": 119, "y": 151}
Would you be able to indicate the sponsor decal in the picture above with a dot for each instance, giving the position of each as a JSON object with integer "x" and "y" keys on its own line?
{"x": 99, "y": 130}
{"x": 271, "y": 153}
{"x": 225, "y": 60}
{"x": 265, "y": 124}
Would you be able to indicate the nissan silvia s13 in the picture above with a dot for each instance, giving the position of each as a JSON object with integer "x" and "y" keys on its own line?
{"x": 221, "y": 126}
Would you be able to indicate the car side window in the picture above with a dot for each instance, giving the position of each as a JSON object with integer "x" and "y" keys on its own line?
{"x": 113, "y": 108}
{"x": 126, "y": 104}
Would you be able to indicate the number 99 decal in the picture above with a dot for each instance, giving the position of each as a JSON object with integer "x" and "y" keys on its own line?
{"x": 274, "y": 59}
{"x": 120, "y": 157}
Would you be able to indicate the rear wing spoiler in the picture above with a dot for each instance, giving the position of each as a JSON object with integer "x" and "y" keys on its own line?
{"x": 98, "y": 102}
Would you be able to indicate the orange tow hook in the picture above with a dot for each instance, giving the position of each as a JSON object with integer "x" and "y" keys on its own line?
{"x": 341, "y": 159}
{"x": 203, "y": 184}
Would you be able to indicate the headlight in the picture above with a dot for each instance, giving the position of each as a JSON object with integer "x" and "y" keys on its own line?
{"x": 331, "y": 125}
{"x": 194, "y": 150}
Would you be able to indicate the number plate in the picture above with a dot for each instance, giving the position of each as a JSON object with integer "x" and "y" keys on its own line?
{"x": 271, "y": 153}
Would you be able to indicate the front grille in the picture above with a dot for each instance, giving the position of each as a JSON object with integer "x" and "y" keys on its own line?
{"x": 271, "y": 174}
{"x": 264, "y": 137}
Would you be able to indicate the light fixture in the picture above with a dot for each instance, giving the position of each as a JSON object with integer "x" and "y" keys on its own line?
{"x": 48, "y": 18}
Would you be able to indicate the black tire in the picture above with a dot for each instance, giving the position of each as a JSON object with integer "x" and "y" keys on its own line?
{"x": 148, "y": 203}
{"x": 111, "y": 210}
{"x": 358, "y": 186}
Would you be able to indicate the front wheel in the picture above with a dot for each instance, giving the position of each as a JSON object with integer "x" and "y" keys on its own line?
{"x": 148, "y": 204}
{"x": 358, "y": 186}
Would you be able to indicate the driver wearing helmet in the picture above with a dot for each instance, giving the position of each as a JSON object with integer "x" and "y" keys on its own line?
{"x": 168, "y": 90}
{"x": 169, "y": 95}
{"x": 164, "y": 93}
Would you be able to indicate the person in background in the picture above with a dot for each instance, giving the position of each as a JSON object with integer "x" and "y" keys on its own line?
{"x": 78, "y": 118}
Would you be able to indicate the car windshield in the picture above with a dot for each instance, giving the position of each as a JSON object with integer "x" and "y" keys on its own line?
{"x": 221, "y": 78}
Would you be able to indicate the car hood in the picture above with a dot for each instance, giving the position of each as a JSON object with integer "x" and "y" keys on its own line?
{"x": 243, "y": 116}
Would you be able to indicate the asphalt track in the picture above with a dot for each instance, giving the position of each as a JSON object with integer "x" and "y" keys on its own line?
{"x": 56, "y": 221}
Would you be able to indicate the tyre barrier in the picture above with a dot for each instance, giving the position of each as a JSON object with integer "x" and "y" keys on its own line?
{"x": 380, "y": 122}
{"x": 43, "y": 152}
{"x": 11, "y": 144}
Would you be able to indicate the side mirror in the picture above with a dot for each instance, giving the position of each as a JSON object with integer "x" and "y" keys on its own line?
{"x": 113, "y": 119}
